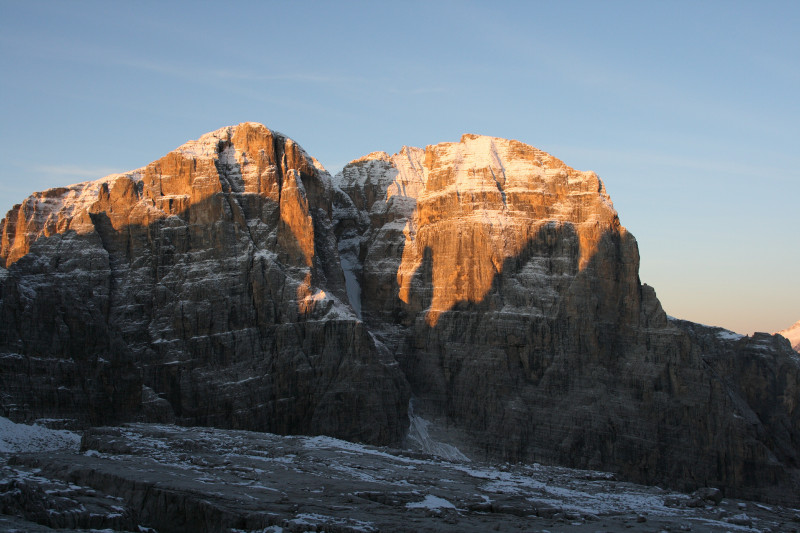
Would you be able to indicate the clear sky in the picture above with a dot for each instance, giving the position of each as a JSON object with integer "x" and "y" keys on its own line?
{"x": 688, "y": 111}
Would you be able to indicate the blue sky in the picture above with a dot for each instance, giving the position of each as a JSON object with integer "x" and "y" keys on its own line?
{"x": 688, "y": 111}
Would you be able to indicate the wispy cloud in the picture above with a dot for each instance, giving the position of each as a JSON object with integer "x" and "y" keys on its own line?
{"x": 417, "y": 90}
{"x": 112, "y": 57}
{"x": 299, "y": 77}
{"x": 245, "y": 78}
{"x": 85, "y": 172}
{"x": 310, "y": 78}
{"x": 199, "y": 73}
{"x": 708, "y": 166}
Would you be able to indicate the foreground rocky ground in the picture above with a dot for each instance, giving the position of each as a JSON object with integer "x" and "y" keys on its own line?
{"x": 145, "y": 477}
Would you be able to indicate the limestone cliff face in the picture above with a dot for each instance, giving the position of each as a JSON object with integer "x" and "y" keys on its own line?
{"x": 504, "y": 283}
{"x": 203, "y": 288}
{"x": 232, "y": 283}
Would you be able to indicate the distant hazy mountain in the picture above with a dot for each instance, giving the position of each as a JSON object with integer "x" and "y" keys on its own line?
{"x": 793, "y": 334}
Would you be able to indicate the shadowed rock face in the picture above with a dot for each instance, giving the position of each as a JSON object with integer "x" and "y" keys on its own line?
{"x": 509, "y": 291}
{"x": 207, "y": 480}
{"x": 232, "y": 283}
{"x": 203, "y": 288}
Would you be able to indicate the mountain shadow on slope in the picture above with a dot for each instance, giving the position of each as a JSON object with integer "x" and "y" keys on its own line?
{"x": 214, "y": 315}
{"x": 603, "y": 380}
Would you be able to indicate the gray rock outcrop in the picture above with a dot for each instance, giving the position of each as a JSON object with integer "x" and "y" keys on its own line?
{"x": 233, "y": 283}
{"x": 204, "y": 288}
{"x": 509, "y": 291}
{"x": 169, "y": 478}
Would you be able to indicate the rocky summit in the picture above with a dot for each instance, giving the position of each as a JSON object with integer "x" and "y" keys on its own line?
{"x": 204, "y": 288}
{"x": 483, "y": 285}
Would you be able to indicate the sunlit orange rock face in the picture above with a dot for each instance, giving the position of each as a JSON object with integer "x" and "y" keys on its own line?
{"x": 484, "y": 200}
{"x": 234, "y": 283}
{"x": 446, "y": 221}
{"x": 186, "y": 183}
{"x": 203, "y": 288}
{"x": 508, "y": 291}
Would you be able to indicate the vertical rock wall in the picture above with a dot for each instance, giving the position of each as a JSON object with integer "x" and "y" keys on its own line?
{"x": 204, "y": 288}
{"x": 509, "y": 291}
{"x": 232, "y": 283}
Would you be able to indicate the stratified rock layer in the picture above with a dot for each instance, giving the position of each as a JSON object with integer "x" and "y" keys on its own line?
{"x": 170, "y": 478}
{"x": 232, "y": 283}
{"x": 203, "y": 288}
{"x": 509, "y": 291}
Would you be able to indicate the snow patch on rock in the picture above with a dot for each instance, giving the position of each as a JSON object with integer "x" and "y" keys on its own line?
{"x": 419, "y": 435}
{"x": 727, "y": 335}
{"x": 431, "y": 502}
{"x": 15, "y": 438}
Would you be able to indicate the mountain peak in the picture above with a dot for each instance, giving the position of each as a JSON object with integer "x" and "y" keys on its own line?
{"x": 793, "y": 334}
{"x": 372, "y": 156}
{"x": 211, "y": 287}
{"x": 206, "y": 145}
{"x": 245, "y": 158}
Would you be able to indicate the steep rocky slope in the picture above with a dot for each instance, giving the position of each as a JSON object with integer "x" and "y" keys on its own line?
{"x": 232, "y": 283}
{"x": 504, "y": 283}
{"x": 203, "y": 288}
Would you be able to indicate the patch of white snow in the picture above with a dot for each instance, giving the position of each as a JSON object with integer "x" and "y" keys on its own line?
{"x": 431, "y": 502}
{"x": 352, "y": 286}
{"x": 15, "y": 438}
{"x": 726, "y": 335}
{"x": 418, "y": 433}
